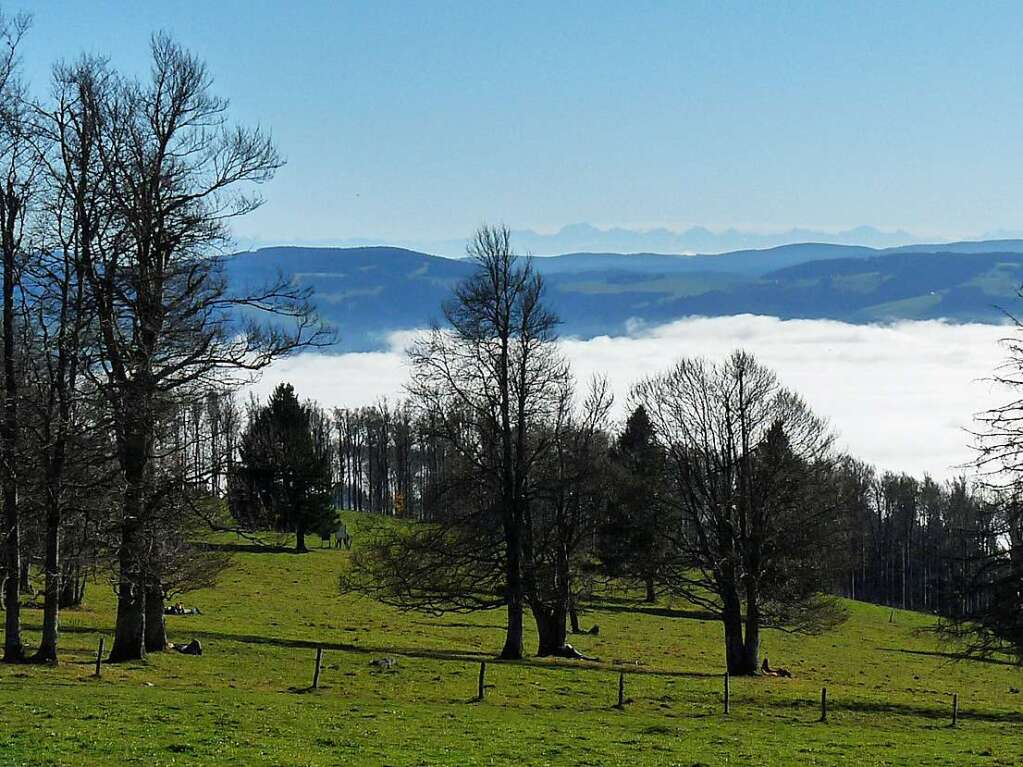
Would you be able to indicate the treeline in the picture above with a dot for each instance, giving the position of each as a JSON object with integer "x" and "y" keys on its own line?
{"x": 385, "y": 460}
{"x": 906, "y": 542}
{"x": 914, "y": 543}
{"x": 910, "y": 541}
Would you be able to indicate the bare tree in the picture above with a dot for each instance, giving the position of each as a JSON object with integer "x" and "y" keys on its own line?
{"x": 18, "y": 166}
{"x": 58, "y": 318}
{"x": 173, "y": 170}
{"x": 747, "y": 464}
{"x": 569, "y": 497}
{"x": 485, "y": 384}
{"x": 989, "y": 600}
{"x": 175, "y": 521}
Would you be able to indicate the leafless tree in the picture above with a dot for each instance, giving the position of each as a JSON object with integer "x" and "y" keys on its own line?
{"x": 58, "y": 317}
{"x": 485, "y": 385}
{"x": 569, "y": 496}
{"x": 747, "y": 463}
{"x": 175, "y": 173}
{"x": 989, "y": 601}
{"x": 18, "y": 171}
{"x": 998, "y": 432}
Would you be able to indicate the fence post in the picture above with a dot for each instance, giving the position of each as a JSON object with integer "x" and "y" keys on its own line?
{"x": 481, "y": 690}
{"x": 99, "y": 658}
{"x": 727, "y": 691}
{"x": 955, "y": 709}
{"x": 316, "y": 673}
{"x": 824, "y": 704}
{"x": 621, "y": 689}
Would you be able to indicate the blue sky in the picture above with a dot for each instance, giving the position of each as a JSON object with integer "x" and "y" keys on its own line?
{"x": 419, "y": 120}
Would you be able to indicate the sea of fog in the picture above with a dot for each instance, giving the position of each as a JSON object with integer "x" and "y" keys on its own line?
{"x": 900, "y": 396}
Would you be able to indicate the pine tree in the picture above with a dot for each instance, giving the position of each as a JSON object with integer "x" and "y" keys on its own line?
{"x": 633, "y": 541}
{"x": 283, "y": 478}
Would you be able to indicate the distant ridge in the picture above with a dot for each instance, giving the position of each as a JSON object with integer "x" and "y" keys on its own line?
{"x": 371, "y": 292}
{"x": 582, "y": 237}
{"x": 965, "y": 246}
{"x": 697, "y": 239}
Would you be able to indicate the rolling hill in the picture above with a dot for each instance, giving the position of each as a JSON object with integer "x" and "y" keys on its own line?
{"x": 371, "y": 292}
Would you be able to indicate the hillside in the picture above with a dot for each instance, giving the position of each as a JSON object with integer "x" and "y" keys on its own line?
{"x": 247, "y": 699}
{"x": 885, "y": 288}
{"x": 371, "y": 292}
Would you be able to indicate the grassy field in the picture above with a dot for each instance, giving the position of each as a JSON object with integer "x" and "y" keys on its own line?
{"x": 247, "y": 700}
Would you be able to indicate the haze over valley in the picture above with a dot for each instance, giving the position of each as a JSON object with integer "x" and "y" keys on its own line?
{"x": 371, "y": 292}
{"x": 904, "y": 333}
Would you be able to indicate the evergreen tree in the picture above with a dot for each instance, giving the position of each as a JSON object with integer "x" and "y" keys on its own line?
{"x": 283, "y": 478}
{"x": 633, "y": 541}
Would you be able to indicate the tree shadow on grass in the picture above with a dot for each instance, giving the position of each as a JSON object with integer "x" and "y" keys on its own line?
{"x": 309, "y": 644}
{"x": 654, "y": 611}
{"x": 458, "y": 656}
{"x": 940, "y": 714}
{"x": 251, "y": 548}
{"x": 460, "y": 625}
{"x": 953, "y": 656}
{"x": 308, "y": 690}
{"x": 924, "y": 712}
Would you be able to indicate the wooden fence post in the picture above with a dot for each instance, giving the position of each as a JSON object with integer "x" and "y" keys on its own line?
{"x": 824, "y": 704}
{"x": 481, "y": 689}
{"x": 99, "y": 658}
{"x": 955, "y": 709}
{"x": 727, "y": 691}
{"x": 316, "y": 673}
{"x": 621, "y": 689}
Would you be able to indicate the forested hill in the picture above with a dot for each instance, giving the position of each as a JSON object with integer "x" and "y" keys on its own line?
{"x": 370, "y": 292}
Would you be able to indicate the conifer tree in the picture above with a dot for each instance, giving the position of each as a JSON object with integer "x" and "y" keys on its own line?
{"x": 634, "y": 542}
{"x": 283, "y": 478}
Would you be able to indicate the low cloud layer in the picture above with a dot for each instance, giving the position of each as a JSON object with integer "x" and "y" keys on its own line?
{"x": 900, "y": 396}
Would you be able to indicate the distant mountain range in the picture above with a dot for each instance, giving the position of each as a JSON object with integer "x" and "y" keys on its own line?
{"x": 696, "y": 239}
{"x": 370, "y": 292}
{"x": 576, "y": 238}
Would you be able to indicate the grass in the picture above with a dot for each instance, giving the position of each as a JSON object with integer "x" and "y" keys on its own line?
{"x": 247, "y": 699}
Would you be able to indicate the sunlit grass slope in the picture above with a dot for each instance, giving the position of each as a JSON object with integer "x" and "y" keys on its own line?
{"x": 247, "y": 700}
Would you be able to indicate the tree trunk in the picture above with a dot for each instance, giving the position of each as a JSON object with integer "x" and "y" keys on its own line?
{"x": 737, "y": 658}
{"x": 300, "y": 539}
{"x": 47, "y": 652}
{"x": 651, "y": 593}
{"x": 513, "y": 643}
{"x": 14, "y": 651}
{"x": 752, "y": 643}
{"x": 573, "y": 617}
{"x": 72, "y": 585}
{"x": 550, "y": 626}
{"x": 129, "y": 633}
{"x": 156, "y": 623}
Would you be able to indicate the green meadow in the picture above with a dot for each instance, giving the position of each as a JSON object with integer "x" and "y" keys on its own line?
{"x": 248, "y": 699}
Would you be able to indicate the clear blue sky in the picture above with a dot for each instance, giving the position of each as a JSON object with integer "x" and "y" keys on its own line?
{"x": 419, "y": 120}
